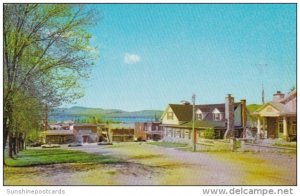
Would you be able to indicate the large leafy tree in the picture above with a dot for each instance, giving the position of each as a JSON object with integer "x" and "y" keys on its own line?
{"x": 46, "y": 53}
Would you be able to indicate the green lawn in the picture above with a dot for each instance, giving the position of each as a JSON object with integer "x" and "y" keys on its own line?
{"x": 33, "y": 157}
{"x": 168, "y": 144}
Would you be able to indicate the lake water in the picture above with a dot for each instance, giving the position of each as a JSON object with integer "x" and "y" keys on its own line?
{"x": 129, "y": 119}
{"x": 104, "y": 119}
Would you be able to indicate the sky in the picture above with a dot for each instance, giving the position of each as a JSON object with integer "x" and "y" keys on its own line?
{"x": 151, "y": 55}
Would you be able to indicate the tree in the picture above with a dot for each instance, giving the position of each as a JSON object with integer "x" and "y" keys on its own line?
{"x": 46, "y": 53}
{"x": 293, "y": 88}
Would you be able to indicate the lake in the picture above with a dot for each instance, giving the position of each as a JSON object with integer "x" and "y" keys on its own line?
{"x": 104, "y": 119}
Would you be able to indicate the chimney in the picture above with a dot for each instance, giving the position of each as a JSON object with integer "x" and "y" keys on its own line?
{"x": 243, "y": 113}
{"x": 229, "y": 115}
{"x": 278, "y": 96}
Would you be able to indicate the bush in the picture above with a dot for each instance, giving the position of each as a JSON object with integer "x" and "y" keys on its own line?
{"x": 209, "y": 133}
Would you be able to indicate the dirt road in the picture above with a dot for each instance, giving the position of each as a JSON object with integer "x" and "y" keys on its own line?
{"x": 160, "y": 165}
{"x": 145, "y": 164}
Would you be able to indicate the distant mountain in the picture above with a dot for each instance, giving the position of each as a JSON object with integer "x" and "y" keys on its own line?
{"x": 78, "y": 112}
{"x": 253, "y": 107}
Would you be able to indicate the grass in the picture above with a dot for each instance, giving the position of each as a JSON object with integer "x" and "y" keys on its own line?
{"x": 247, "y": 168}
{"x": 168, "y": 144}
{"x": 34, "y": 157}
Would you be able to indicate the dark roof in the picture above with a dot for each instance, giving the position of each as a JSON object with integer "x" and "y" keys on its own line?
{"x": 58, "y": 132}
{"x": 184, "y": 112}
{"x": 205, "y": 124}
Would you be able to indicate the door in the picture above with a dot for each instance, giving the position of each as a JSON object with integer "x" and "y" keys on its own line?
{"x": 85, "y": 139}
{"x": 271, "y": 127}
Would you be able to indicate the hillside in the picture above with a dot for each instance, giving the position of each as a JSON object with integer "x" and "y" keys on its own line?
{"x": 253, "y": 107}
{"x": 78, "y": 112}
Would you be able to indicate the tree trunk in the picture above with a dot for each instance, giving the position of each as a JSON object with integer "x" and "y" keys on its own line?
{"x": 10, "y": 147}
{"x": 24, "y": 141}
{"x": 7, "y": 125}
{"x": 17, "y": 142}
{"x": 5, "y": 135}
{"x": 14, "y": 145}
{"x": 21, "y": 144}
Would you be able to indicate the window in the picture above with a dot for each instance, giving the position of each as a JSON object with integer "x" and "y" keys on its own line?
{"x": 199, "y": 116}
{"x": 294, "y": 127}
{"x": 187, "y": 134}
{"x": 217, "y": 116}
{"x": 170, "y": 116}
{"x": 178, "y": 133}
{"x": 280, "y": 126}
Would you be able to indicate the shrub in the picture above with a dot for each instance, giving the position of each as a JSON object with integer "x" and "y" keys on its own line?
{"x": 209, "y": 133}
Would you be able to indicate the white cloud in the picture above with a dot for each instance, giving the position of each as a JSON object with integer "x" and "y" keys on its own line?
{"x": 131, "y": 58}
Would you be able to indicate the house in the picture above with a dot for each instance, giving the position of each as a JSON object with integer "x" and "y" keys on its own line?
{"x": 139, "y": 131}
{"x": 121, "y": 132}
{"x": 85, "y": 133}
{"x": 148, "y": 131}
{"x": 58, "y": 136}
{"x": 229, "y": 116}
{"x": 278, "y": 118}
{"x": 154, "y": 131}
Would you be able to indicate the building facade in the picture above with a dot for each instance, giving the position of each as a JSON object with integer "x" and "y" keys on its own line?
{"x": 227, "y": 118}
{"x": 58, "y": 137}
{"x": 148, "y": 131}
{"x": 85, "y": 133}
{"x": 121, "y": 132}
{"x": 278, "y": 118}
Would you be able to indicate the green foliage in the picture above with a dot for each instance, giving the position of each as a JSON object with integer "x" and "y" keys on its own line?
{"x": 252, "y": 107}
{"x": 91, "y": 119}
{"x": 46, "y": 54}
{"x": 26, "y": 114}
{"x": 209, "y": 133}
{"x": 33, "y": 135}
{"x": 32, "y": 157}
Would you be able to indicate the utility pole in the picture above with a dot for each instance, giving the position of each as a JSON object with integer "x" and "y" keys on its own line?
{"x": 46, "y": 118}
{"x": 193, "y": 123}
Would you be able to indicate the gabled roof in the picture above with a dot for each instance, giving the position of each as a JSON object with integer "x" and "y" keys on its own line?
{"x": 285, "y": 106}
{"x": 185, "y": 112}
{"x": 289, "y": 96}
{"x": 182, "y": 112}
{"x": 281, "y": 108}
{"x": 273, "y": 104}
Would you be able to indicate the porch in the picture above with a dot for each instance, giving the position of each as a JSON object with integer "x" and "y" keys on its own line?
{"x": 284, "y": 127}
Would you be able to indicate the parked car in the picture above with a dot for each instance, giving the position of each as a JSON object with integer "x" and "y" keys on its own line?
{"x": 50, "y": 146}
{"x": 34, "y": 144}
{"x": 75, "y": 144}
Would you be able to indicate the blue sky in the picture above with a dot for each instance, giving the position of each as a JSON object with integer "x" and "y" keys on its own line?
{"x": 155, "y": 54}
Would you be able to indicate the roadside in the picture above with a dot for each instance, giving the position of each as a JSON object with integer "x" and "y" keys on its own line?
{"x": 145, "y": 164}
{"x": 208, "y": 168}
